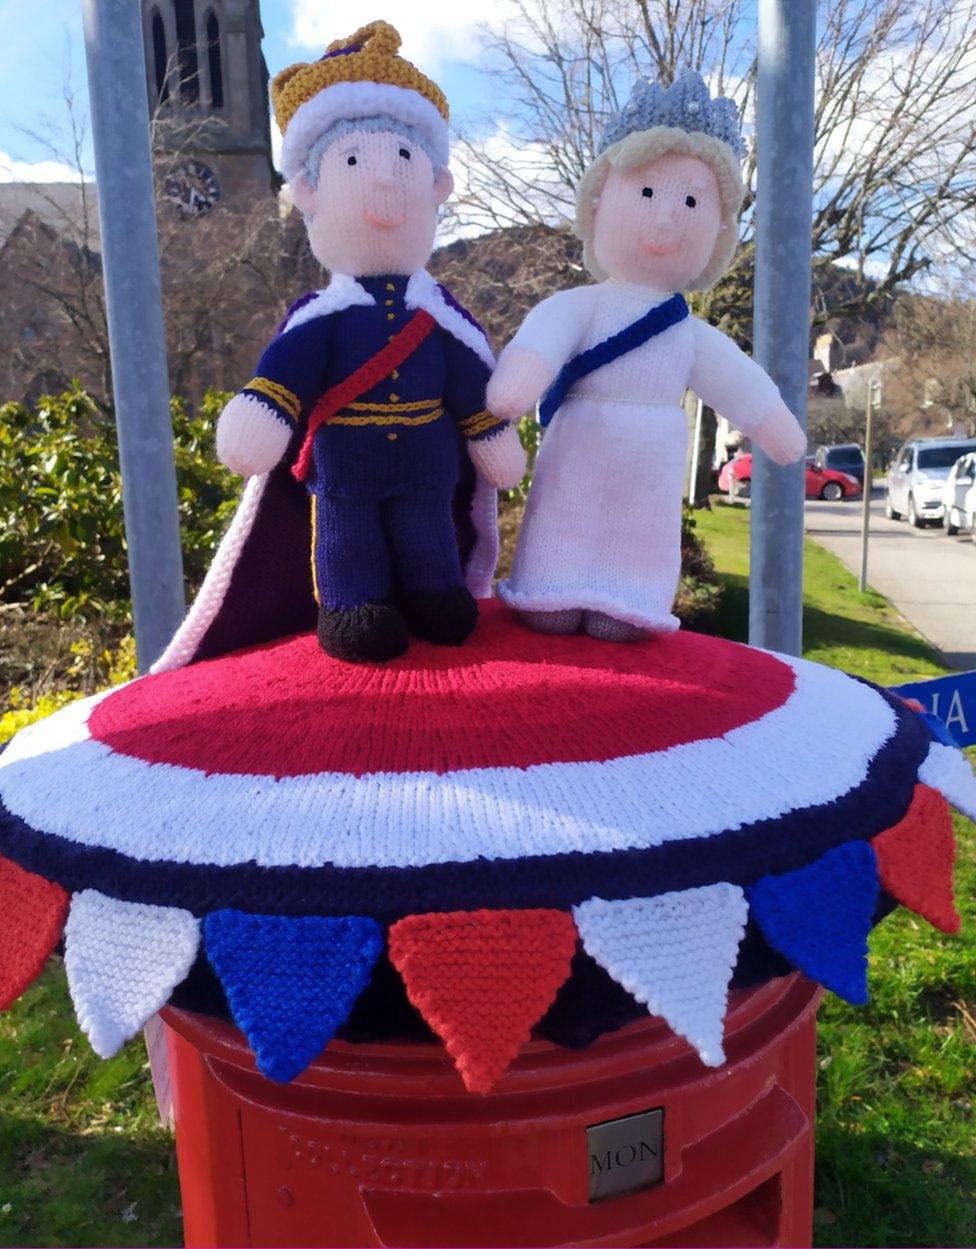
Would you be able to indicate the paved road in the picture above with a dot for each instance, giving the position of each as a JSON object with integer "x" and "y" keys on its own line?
{"x": 930, "y": 577}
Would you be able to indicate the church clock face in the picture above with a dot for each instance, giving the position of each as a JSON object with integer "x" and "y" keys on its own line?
{"x": 193, "y": 188}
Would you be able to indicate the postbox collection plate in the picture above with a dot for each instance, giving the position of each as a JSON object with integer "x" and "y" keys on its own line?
{"x": 624, "y": 1155}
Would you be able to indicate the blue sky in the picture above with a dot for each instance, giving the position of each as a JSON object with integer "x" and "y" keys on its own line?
{"x": 37, "y": 57}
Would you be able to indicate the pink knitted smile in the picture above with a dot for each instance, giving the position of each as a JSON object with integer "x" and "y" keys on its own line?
{"x": 384, "y": 223}
{"x": 653, "y": 249}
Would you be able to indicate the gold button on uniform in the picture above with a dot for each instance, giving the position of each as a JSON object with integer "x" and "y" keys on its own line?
{"x": 392, "y": 437}
{"x": 390, "y": 286}
{"x": 395, "y": 374}
{"x": 389, "y": 303}
{"x": 394, "y": 397}
{"x": 390, "y": 316}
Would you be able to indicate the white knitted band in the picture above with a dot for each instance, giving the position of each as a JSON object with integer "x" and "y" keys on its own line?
{"x": 155, "y": 811}
{"x": 351, "y": 101}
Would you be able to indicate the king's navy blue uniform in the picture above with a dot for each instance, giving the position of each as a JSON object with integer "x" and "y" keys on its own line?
{"x": 385, "y": 468}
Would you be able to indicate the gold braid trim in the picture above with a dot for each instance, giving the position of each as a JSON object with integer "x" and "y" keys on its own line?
{"x": 419, "y": 405}
{"x": 385, "y": 418}
{"x": 472, "y": 426}
{"x": 278, "y": 394}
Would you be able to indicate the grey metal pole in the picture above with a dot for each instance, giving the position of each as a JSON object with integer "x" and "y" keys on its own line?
{"x": 784, "y": 209}
{"x": 873, "y": 397}
{"x": 130, "y": 257}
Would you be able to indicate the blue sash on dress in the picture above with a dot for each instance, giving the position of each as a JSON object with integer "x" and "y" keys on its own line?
{"x": 660, "y": 318}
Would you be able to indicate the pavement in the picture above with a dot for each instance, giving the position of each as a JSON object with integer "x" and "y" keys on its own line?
{"x": 930, "y": 577}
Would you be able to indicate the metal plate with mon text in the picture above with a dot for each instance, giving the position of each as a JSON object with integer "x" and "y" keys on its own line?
{"x": 625, "y": 1154}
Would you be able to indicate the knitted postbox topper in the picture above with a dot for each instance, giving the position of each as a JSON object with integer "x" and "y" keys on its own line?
{"x": 547, "y": 833}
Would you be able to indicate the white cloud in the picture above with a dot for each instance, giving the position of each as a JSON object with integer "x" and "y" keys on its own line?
{"x": 434, "y": 31}
{"x": 480, "y": 202}
{"x": 35, "y": 171}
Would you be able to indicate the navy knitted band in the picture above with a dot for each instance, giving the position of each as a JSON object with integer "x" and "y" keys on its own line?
{"x": 739, "y": 856}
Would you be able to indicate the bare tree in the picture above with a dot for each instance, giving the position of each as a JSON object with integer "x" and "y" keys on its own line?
{"x": 226, "y": 274}
{"x": 895, "y": 174}
{"x": 50, "y": 271}
{"x": 934, "y": 339}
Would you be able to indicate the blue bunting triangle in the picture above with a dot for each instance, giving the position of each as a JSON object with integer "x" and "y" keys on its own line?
{"x": 290, "y": 983}
{"x": 819, "y": 917}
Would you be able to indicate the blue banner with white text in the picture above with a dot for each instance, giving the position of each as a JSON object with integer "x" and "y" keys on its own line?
{"x": 951, "y": 699}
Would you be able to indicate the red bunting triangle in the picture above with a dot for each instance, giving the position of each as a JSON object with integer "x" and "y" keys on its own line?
{"x": 915, "y": 859}
{"x": 32, "y": 914}
{"x": 482, "y": 979}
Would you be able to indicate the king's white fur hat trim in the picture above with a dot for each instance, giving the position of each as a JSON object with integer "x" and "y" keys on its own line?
{"x": 358, "y": 101}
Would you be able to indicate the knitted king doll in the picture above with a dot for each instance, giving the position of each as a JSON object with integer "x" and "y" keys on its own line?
{"x": 373, "y": 390}
{"x": 600, "y": 546}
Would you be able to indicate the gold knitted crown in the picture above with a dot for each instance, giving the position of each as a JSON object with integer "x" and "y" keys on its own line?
{"x": 369, "y": 55}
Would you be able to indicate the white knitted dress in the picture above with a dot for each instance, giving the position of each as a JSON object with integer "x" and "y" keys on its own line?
{"x": 602, "y": 527}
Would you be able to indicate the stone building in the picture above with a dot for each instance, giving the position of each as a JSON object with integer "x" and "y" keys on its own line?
{"x": 232, "y": 256}
{"x": 208, "y": 96}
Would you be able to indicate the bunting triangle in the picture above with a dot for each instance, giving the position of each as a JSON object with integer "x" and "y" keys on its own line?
{"x": 123, "y": 961}
{"x": 482, "y": 979}
{"x": 915, "y": 859}
{"x": 948, "y": 770}
{"x": 819, "y": 917}
{"x": 291, "y": 983}
{"x": 32, "y": 912}
{"x": 675, "y": 953}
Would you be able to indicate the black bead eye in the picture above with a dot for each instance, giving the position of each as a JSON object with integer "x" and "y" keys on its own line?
{"x": 690, "y": 201}
{"x": 405, "y": 153}
{"x": 350, "y": 160}
{"x": 648, "y": 192}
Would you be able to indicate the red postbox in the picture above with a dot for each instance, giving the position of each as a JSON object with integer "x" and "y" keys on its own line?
{"x": 380, "y": 1144}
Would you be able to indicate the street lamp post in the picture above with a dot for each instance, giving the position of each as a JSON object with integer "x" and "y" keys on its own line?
{"x": 133, "y": 294}
{"x": 873, "y": 401}
{"x": 784, "y": 208}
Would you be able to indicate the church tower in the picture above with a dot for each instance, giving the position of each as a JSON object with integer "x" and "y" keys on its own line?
{"x": 208, "y": 97}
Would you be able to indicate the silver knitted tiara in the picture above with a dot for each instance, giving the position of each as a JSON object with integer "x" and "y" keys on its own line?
{"x": 685, "y": 105}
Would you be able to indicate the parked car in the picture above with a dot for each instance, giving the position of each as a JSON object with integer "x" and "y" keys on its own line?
{"x": 846, "y": 457}
{"x": 735, "y": 478}
{"x": 959, "y": 496}
{"x": 913, "y": 487}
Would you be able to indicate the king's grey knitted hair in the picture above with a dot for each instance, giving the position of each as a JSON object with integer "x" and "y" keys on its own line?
{"x": 384, "y": 124}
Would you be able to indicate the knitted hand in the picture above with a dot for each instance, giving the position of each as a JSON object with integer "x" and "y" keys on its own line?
{"x": 250, "y": 438}
{"x": 500, "y": 458}
{"x": 781, "y": 435}
{"x": 518, "y": 383}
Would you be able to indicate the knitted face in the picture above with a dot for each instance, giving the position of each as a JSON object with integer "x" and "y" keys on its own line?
{"x": 374, "y": 209}
{"x": 656, "y": 224}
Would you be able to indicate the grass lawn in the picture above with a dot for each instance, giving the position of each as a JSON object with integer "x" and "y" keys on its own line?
{"x": 897, "y": 1083}
{"x": 84, "y": 1162}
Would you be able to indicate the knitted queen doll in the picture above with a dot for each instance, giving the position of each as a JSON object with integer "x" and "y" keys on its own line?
{"x": 373, "y": 391}
{"x": 600, "y": 546}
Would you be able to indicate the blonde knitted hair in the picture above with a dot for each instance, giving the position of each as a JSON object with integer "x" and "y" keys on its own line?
{"x": 359, "y": 77}
{"x": 644, "y": 146}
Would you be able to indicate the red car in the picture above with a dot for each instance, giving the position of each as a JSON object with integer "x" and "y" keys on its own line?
{"x": 821, "y": 483}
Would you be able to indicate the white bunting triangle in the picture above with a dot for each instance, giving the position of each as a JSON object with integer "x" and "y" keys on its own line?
{"x": 675, "y": 953}
{"x": 949, "y": 771}
{"x": 123, "y": 960}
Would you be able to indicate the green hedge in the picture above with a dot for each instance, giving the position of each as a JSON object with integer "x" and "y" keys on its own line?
{"x": 62, "y": 542}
